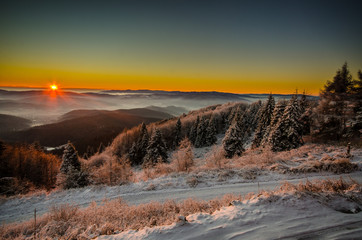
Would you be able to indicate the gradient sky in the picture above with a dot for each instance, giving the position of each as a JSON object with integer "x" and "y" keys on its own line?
{"x": 231, "y": 46}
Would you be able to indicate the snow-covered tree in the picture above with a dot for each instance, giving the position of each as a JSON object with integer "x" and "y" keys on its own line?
{"x": 234, "y": 139}
{"x": 286, "y": 134}
{"x": 305, "y": 114}
{"x": 276, "y": 116}
{"x": 211, "y": 132}
{"x": 156, "y": 149}
{"x": 71, "y": 174}
{"x": 70, "y": 159}
{"x": 177, "y": 133}
{"x": 264, "y": 121}
{"x": 193, "y": 131}
{"x": 201, "y": 133}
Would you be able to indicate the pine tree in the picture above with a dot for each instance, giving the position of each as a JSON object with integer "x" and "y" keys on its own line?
{"x": 305, "y": 112}
{"x": 133, "y": 154}
{"x": 70, "y": 159}
{"x": 193, "y": 131}
{"x": 286, "y": 134}
{"x": 276, "y": 116}
{"x": 138, "y": 149}
{"x": 156, "y": 149}
{"x": 234, "y": 139}
{"x": 71, "y": 175}
{"x": 340, "y": 86}
{"x": 264, "y": 121}
{"x": 143, "y": 144}
{"x": 201, "y": 134}
{"x": 211, "y": 132}
{"x": 177, "y": 133}
{"x": 255, "y": 112}
{"x": 333, "y": 105}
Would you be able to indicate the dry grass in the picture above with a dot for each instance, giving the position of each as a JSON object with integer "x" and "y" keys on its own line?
{"x": 329, "y": 164}
{"x": 323, "y": 186}
{"x": 69, "y": 222}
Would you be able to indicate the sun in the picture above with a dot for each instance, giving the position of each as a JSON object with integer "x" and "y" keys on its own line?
{"x": 53, "y": 87}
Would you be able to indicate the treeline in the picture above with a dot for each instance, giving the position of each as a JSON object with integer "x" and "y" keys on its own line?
{"x": 147, "y": 145}
{"x": 26, "y": 167}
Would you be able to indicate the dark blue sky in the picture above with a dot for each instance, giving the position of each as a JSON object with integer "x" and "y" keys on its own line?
{"x": 242, "y": 46}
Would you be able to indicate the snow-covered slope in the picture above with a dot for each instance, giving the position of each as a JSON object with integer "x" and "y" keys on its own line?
{"x": 271, "y": 217}
{"x": 20, "y": 209}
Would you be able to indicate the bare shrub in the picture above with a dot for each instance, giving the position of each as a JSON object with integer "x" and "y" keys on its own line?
{"x": 113, "y": 172}
{"x": 256, "y": 158}
{"x": 63, "y": 212}
{"x": 183, "y": 158}
{"x": 216, "y": 159}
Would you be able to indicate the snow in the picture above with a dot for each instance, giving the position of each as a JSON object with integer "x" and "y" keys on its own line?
{"x": 170, "y": 187}
{"x": 268, "y": 218}
{"x": 275, "y": 217}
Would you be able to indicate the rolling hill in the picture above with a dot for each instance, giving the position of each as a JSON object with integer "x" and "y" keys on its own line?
{"x": 86, "y": 127}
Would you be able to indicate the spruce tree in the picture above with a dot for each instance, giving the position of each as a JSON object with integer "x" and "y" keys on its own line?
{"x": 143, "y": 144}
{"x": 71, "y": 175}
{"x": 234, "y": 139}
{"x": 211, "y": 132}
{"x": 305, "y": 112}
{"x": 287, "y": 133}
{"x": 276, "y": 116}
{"x": 139, "y": 148}
{"x": 201, "y": 134}
{"x": 156, "y": 150}
{"x": 193, "y": 131}
{"x": 70, "y": 159}
{"x": 264, "y": 121}
{"x": 333, "y": 105}
{"x": 177, "y": 134}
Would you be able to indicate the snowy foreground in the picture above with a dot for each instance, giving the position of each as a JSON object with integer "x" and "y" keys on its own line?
{"x": 273, "y": 217}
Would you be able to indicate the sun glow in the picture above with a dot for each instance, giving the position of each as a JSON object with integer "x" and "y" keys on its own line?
{"x": 54, "y": 87}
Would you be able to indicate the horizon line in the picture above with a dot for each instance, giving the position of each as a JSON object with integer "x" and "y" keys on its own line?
{"x": 158, "y": 90}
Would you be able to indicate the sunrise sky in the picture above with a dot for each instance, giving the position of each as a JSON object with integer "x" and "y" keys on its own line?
{"x": 231, "y": 46}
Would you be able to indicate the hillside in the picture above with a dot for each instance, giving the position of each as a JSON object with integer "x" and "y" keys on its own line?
{"x": 13, "y": 123}
{"x": 86, "y": 127}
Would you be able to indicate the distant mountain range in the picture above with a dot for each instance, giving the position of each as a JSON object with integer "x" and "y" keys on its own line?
{"x": 82, "y": 127}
